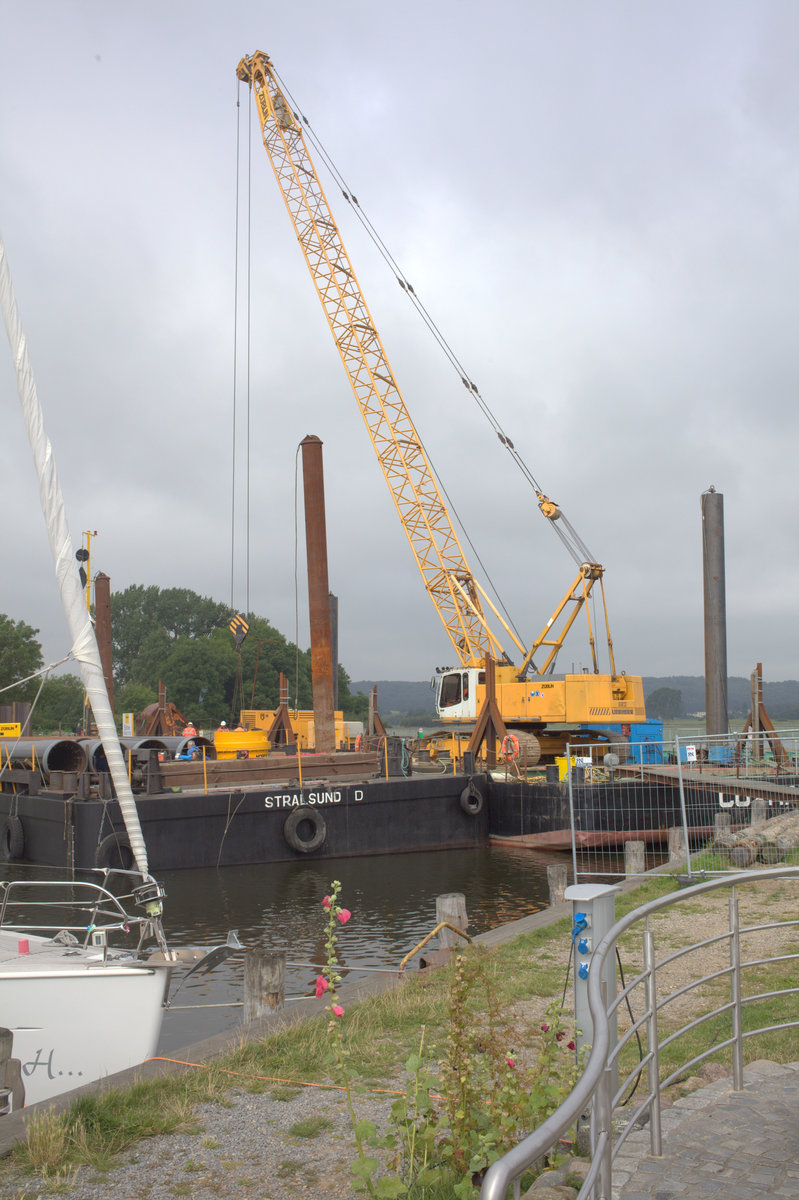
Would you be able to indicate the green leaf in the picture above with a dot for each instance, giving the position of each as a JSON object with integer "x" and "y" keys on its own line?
{"x": 364, "y": 1167}
{"x": 365, "y": 1129}
{"x": 390, "y": 1186}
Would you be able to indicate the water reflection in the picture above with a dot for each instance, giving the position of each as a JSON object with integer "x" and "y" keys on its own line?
{"x": 278, "y": 906}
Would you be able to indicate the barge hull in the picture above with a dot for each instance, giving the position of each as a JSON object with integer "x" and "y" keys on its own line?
{"x": 245, "y": 826}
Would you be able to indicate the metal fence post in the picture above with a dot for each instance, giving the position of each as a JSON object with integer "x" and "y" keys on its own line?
{"x": 653, "y": 1069}
{"x": 604, "y": 1124}
{"x": 682, "y": 808}
{"x": 735, "y": 996}
{"x": 571, "y": 809}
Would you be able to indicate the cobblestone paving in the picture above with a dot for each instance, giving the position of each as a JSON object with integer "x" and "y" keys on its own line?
{"x": 720, "y": 1143}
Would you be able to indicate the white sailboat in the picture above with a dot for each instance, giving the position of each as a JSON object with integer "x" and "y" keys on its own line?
{"x": 78, "y": 1009}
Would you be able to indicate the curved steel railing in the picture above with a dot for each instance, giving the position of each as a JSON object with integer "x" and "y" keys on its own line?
{"x": 594, "y": 1089}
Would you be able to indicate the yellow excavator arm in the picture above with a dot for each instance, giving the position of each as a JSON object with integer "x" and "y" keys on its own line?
{"x": 405, "y": 465}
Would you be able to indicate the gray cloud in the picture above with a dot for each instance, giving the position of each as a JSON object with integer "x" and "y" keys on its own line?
{"x": 598, "y": 204}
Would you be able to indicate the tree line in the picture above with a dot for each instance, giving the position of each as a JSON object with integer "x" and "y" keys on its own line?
{"x": 182, "y": 639}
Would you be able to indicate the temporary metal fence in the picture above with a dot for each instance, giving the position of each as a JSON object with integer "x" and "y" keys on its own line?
{"x": 720, "y": 793}
{"x": 746, "y": 983}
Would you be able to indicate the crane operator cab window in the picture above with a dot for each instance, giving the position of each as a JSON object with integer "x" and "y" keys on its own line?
{"x": 454, "y": 689}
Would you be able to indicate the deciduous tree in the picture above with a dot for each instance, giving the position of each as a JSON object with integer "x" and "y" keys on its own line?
{"x": 20, "y": 656}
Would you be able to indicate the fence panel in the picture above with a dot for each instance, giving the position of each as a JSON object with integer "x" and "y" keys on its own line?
{"x": 732, "y": 800}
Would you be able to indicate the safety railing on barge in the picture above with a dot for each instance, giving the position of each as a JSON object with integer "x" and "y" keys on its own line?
{"x": 595, "y": 1092}
{"x": 737, "y": 795}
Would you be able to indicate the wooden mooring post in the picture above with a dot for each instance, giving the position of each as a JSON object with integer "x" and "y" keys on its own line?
{"x": 635, "y": 858}
{"x": 722, "y": 822}
{"x": 557, "y": 879}
{"x": 12, "y": 1088}
{"x": 677, "y": 850}
{"x": 451, "y": 907}
{"x": 758, "y": 810}
{"x": 264, "y": 982}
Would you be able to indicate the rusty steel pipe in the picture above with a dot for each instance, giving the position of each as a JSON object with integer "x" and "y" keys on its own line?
{"x": 716, "y": 716}
{"x": 318, "y": 593}
{"x": 102, "y": 614}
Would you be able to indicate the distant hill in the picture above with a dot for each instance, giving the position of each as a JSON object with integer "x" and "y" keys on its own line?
{"x": 781, "y": 699}
{"x": 399, "y": 695}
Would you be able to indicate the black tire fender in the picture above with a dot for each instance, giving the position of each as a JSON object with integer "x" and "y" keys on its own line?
{"x": 114, "y": 852}
{"x": 471, "y": 800}
{"x": 291, "y": 828}
{"x": 12, "y": 839}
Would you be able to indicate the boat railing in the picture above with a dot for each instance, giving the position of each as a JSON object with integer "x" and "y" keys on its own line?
{"x": 87, "y": 910}
{"x": 596, "y": 1092}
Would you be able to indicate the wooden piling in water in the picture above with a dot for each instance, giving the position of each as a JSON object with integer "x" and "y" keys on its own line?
{"x": 557, "y": 879}
{"x": 451, "y": 907}
{"x": 264, "y": 982}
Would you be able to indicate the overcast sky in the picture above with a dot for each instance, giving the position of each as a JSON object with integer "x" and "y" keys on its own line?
{"x": 597, "y": 201}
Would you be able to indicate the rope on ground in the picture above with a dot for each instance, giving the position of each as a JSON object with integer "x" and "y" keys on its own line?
{"x": 333, "y": 1087}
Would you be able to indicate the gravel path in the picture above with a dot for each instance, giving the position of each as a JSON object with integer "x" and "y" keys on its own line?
{"x": 243, "y": 1151}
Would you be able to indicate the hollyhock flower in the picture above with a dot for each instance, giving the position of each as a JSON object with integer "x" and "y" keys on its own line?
{"x": 326, "y": 902}
{"x": 560, "y": 1036}
{"x": 338, "y": 1011}
{"x": 321, "y": 986}
{"x": 343, "y": 915}
{"x": 511, "y": 1062}
{"x": 545, "y": 1029}
{"x": 572, "y": 1046}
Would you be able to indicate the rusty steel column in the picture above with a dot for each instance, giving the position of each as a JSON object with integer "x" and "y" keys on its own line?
{"x": 716, "y": 721}
{"x": 102, "y": 616}
{"x": 334, "y": 645}
{"x": 318, "y": 601}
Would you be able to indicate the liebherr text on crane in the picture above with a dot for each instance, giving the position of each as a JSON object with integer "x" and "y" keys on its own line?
{"x": 534, "y": 702}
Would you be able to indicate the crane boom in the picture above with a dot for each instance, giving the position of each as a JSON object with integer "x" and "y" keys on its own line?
{"x": 404, "y": 462}
{"x": 532, "y": 700}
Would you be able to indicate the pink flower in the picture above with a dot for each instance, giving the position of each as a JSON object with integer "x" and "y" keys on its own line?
{"x": 545, "y": 1029}
{"x": 326, "y": 902}
{"x": 338, "y": 1011}
{"x": 343, "y": 915}
{"x": 511, "y": 1062}
{"x": 572, "y": 1046}
{"x": 321, "y": 986}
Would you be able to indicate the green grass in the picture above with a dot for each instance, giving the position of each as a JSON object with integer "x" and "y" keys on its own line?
{"x": 311, "y": 1127}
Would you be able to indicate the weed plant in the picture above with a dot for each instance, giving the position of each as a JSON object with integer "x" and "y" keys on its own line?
{"x": 493, "y": 1084}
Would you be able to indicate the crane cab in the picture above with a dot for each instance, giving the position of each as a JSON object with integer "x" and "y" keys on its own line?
{"x": 456, "y": 695}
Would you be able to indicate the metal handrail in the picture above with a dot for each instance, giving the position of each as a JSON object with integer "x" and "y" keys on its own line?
{"x": 594, "y": 1086}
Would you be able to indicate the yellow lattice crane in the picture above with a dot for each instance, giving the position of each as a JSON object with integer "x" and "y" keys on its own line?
{"x": 529, "y": 697}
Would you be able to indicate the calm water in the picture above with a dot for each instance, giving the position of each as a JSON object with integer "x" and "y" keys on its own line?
{"x": 278, "y": 907}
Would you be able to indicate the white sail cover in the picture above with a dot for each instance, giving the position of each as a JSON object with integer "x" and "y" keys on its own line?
{"x": 84, "y": 642}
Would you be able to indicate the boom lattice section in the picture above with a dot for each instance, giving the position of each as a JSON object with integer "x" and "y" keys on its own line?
{"x": 405, "y": 465}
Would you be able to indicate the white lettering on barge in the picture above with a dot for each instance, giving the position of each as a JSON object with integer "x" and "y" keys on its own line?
{"x": 296, "y": 799}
